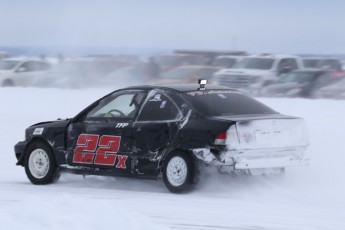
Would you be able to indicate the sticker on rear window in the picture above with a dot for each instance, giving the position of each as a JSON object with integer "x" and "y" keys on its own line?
{"x": 163, "y": 104}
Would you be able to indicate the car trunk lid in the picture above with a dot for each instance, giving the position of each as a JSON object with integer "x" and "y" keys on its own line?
{"x": 265, "y": 132}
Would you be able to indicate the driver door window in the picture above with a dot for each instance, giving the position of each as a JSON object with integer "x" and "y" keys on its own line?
{"x": 124, "y": 105}
{"x": 159, "y": 108}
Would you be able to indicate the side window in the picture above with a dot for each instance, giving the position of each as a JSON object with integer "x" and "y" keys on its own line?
{"x": 293, "y": 63}
{"x": 119, "y": 105}
{"x": 285, "y": 66}
{"x": 27, "y": 67}
{"x": 159, "y": 107}
{"x": 282, "y": 64}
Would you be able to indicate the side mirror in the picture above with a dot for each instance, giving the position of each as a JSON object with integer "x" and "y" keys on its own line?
{"x": 21, "y": 69}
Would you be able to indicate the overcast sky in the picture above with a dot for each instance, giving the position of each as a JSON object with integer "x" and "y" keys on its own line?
{"x": 292, "y": 26}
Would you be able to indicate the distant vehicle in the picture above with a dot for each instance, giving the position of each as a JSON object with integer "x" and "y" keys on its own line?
{"x": 21, "y": 71}
{"x": 130, "y": 75}
{"x": 211, "y": 55}
{"x": 169, "y": 61}
{"x": 257, "y": 69}
{"x": 225, "y": 61}
{"x": 324, "y": 63}
{"x": 334, "y": 91}
{"x": 299, "y": 83}
{"x": 76, "y": 73}
{"x": 4, "y": 55}
{"x": 187, "y": 74}
{"x": 149, "y": 131}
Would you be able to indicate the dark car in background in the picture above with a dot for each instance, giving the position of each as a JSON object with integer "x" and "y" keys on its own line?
{"x": 324, "y": 63}
{"x": 301, "y": 83}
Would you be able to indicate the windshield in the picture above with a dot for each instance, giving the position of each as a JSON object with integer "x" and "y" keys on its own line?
{"x": 180, "y": 73}
{"x": 255, "y": 63}
{"x": 225, "y": 102}
{"x": 7, "y": 65}
{"x": 298, "y": 77}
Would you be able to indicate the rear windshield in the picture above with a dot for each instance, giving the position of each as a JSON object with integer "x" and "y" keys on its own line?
{"x": 225, "y": 102}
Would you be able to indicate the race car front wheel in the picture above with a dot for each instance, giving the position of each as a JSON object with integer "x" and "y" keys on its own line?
{"x": 40, "y": 164}
{"x": 178, "y": 172}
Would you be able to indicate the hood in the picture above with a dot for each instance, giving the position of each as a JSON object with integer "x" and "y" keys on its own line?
{"x": 289, "y": 89}
{"x": 3, "y": 72}
{"x": 48, "y": 124}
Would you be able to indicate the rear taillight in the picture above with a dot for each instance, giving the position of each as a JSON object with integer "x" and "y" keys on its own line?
{"x": 221, "y": 139}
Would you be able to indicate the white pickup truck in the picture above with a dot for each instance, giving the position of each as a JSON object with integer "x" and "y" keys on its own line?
{"x": 260, "y": 70}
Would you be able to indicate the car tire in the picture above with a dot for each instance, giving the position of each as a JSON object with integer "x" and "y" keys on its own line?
{"x": 7, "y": 83}
{"x": 40, "y": 164}
{"x": 180, "y": 173}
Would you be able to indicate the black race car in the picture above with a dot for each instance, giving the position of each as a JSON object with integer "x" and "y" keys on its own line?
{"x": 148, "y": 131}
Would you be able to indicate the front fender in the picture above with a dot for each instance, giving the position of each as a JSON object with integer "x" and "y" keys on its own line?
{"x": 19, "y": 150}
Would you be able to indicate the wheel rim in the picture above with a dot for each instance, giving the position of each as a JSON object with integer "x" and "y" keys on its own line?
{"x": 39, "y": 163}
{"x": 177, "y": 171}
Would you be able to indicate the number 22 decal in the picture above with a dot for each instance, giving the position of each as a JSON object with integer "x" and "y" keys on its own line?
{"x": 87, "y": 152}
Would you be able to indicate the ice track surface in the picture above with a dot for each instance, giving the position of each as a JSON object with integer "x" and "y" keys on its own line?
{"x": 309, "y": 198}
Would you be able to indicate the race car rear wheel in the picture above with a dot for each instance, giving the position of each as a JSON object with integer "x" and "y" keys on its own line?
{"x": 40, "y": 164}
{"x": 178, "y": 172}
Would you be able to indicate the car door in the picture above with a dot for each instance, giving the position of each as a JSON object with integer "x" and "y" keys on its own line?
{"x": 101, "y": 138}
{"x": 154, "y": 131}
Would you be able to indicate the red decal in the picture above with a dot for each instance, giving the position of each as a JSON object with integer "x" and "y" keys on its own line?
{"x": 106, "y": 152}
{"x": 122, "y": 161}
{"x": 85, "y": 150}
{"x": 108, "y": 146}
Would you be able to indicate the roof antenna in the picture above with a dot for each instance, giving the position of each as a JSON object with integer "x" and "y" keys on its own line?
{"x": 202, "y": 83}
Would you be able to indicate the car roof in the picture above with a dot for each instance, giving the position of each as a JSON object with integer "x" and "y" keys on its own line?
{"x": 180, "y": 87}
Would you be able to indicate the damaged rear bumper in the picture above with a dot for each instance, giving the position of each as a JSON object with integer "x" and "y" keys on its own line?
{"x": 255, "y": 158}
{"x": 270, "y": 163}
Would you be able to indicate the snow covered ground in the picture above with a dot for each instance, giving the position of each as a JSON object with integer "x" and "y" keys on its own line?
{"x": 308, "y": 198}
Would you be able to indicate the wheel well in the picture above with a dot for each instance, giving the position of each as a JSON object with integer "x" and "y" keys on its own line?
{"x": 164, "y": 156}
{"x": 35, "y": 139}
